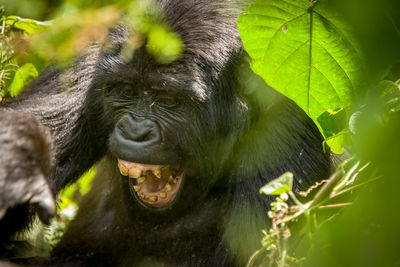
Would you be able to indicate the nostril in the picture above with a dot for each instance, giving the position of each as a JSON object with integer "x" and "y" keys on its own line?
{"x": 144, "y": 137}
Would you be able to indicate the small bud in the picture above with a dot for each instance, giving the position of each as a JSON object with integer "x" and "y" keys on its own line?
{"x": 284, "y": 196}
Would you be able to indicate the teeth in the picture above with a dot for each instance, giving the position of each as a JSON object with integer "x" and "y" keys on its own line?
{"x": 163, "y": 194}
{"x": 168, "y": 187}
{"x": 141, "y": 179}
{"x": 172, "y": 180}
{"x": 124, "y": 170}
{"x": 135, "y": 172}
{"x": 141, "y": 195}
{"x": 157, "y": 173}
{"x": 137, "y": 188}
{"x": 153, "y": 198}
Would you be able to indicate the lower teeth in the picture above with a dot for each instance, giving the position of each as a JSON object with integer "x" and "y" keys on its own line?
{"x": 153, "y": 198}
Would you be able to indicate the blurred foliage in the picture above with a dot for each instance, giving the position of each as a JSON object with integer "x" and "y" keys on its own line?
{"x": 73, "y": 193}
{"x": 349, "y": 219}
{"x": 71, "y": 33}
{"x": 84, "y": 23}
{"x": 35, "y": 9}
{"x": 67, "y": 206}
{"x": 366, "y": 232}
{"x": 15, "y": 75}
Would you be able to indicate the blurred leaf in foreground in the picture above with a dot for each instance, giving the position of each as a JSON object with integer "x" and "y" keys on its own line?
{"x": 72, "y": 33}
{"x": 27, "y": 25}
{"x": 23, "y": 76}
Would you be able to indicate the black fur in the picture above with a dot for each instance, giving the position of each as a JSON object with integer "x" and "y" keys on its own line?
{"x": 24, "y": 168}
{"x": 231, "y": 133}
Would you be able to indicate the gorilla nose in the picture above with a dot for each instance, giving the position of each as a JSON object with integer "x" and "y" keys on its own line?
{"x": 138, "y": 133}
{"x": 143, "y": 131}
{"x": 137, "y": 140}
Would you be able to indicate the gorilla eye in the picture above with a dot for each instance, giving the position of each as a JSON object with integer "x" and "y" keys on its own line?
{"x": 129, "y": 92}
{"x": 169, "y": 101}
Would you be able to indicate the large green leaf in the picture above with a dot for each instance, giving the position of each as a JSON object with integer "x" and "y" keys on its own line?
{"x": 302, "y": 50}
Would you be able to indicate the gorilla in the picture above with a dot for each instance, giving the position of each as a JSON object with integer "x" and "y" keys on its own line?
{"x": 181, "y": 148}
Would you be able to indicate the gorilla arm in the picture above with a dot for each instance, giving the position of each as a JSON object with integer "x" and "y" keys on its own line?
{"x": 44, "y": 140}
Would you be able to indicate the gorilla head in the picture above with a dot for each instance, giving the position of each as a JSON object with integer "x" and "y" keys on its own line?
{"x": 173, "y": 121}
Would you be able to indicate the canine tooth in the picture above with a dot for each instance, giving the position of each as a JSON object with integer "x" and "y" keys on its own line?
{"x": 172, "y": 180}
{"x": 141, "y": 179}
{"x": 135, "y": 172}
{"x": 123, "y": 169}
{"x": 157, "y": 173}
{"x": 168, "y": 187}
{"x": 153, "y": 198}
{"x": 163, "y": 194}
{"x": 141, "y": 195}
{"x": 137, "y": 188}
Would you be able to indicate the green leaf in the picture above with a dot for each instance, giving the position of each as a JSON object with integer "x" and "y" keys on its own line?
{"x": 303, "y": 51}
{"x": 23, "y": 76}
{"x": 282, "y": 184}
{"x": 337, "y": 141}
{"x": 28, "y": 25}
{"x": 332, "y": 122}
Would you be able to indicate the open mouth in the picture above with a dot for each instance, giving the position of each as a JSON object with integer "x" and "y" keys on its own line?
{"x": 153, "y": 185}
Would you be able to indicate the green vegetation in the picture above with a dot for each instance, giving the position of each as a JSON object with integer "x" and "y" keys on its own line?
{"x": 327, "y": 58}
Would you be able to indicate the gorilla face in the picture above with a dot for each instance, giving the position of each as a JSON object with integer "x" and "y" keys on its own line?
{"x": 146, "y": 139}
{"x": 166, "y": 133}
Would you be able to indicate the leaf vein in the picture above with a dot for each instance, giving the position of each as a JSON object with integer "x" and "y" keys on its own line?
{"x": 279, "y": 29}
{"x": 339, "y": 31}
{"x": 345, "y": 73}
{"x": 294, "y": 51}
{"x": 277, "y": 7}
{"x": 330, "y": 83}
{"x": 291, "y": 4}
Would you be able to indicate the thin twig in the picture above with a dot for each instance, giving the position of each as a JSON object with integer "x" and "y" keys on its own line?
{"x": 338, "y": 205}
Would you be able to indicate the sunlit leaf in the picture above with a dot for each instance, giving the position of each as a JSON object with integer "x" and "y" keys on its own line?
{"x": 282, "y": 184}
{"x": 28, "y": 25}
{"x": 23, "y": 76}
{"x": 302, "y": 50}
